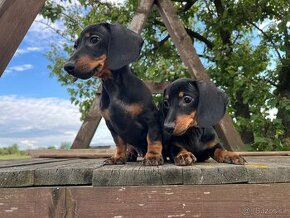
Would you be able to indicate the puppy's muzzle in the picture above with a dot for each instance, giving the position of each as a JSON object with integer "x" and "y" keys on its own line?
{"x": 70, "y": 68}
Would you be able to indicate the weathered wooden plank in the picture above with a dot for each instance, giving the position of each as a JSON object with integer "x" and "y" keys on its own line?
{"x": 258, "y": 170}
{"x": 22, "y": 176}
{"x": 79, "y": 172}
{"x": 214, "y": 174}
{"x": 169, "y": 174}
{"x": 234, "y": 200}
{"x": 104, "y": 153}
{"x": 264, "y": 153}
{"x": 27, "y": 162}
{"x": 183, "y": 43}
{"x": 15, "y": 19}
{"x": 76, "y": 153}
{"x": 32, "y": 202}
{"x": 137, "y": 174}
{"x": 91, "y": 122}
{"x": 91, "y": 171}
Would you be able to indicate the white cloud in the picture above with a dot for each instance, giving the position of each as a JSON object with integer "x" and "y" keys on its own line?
{"x": 42, "y": 122}
{"x": 19, "y": 68}
{"x": 114, "y": 2}
{"x": 67, "y": 3}
{"x": 21, "y": 51}
{"x": 42, "y": 34}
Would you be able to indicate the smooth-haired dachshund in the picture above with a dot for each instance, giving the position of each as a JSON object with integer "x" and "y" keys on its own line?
{"x": 190, "y": 108}
{"x": 105, "y": 51}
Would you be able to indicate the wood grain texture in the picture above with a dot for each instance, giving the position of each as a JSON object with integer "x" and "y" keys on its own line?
{"x": 188, "y": 55}
{"x": 169, "y": 174}
{"x": 264, "y": 153}
{"x": 47, "y": 172}
{"x": 73, "y": 153}
{"x": 141, "y": 15}
{"x": 15, "y": 19}
{"x": 105, "y": 153}
{"x": 238, "y": 200}
{"x": 55, "y": 172}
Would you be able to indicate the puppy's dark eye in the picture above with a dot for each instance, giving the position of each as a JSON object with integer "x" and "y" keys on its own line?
{"x": 94, "y": 39}
{"x": 187, "y": 99}
{"x": 166, "y": 104}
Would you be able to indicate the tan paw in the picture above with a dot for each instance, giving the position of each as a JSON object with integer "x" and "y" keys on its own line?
{"x": 115, "y": 160}
{"x": 153, "y": 159}
{"x": 230, "y": 157}
{"x": 184, "y": 158}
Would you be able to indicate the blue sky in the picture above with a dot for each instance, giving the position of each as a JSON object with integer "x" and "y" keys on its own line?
{"x": 35, "y": 110}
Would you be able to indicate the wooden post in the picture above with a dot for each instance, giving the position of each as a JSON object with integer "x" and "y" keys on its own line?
{"x": 15, "y": 19}
{"x": 91, "y": 122}
{"x": 142, "y": 13}
{"x": 183, "y": 43}
{"x": 89, "y": 126}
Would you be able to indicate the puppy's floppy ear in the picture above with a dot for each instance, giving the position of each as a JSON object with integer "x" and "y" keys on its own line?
{"x": 161, "y": 108}
{"x": 212, "y": 104}
{"x": 124, "y": 47}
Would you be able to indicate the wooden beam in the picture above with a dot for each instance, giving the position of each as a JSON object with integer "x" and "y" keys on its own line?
{"x": 142, "y": 13}
{"x": 89, "y": 126}
{"x": 91, "y": 122}
{"x": 264, "y": 153}
{"x": 74, "y": 153}
{"x": 15, "y": 19}
{"x": 184, "y": 45}
{"x": 227, "y": 201}
{"x": 104, "y": 153}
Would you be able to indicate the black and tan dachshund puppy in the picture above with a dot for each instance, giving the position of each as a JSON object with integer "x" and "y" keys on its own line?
{"x": 190, "y": 108}
{"x": 105, "y": 50}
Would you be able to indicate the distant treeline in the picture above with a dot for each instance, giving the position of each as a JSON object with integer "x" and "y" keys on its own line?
{"x": 13, "y": 149}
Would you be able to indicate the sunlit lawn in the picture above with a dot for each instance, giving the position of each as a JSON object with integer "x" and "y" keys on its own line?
{"x": 13, "y": 156}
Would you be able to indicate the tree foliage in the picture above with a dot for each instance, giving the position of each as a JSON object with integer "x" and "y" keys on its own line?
{"x": 244, "y": 45}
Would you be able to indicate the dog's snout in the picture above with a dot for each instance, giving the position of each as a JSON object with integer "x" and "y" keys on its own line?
{"x": 69, "y": 67}
{"x": 169, "y": 127}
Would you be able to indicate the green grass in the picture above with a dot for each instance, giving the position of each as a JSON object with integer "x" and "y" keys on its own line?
{"x": 12, "y": 152}
{"x": 13, "y": 156}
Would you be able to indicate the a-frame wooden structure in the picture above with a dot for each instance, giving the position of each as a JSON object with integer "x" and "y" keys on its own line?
{"x": 17, "y": 16}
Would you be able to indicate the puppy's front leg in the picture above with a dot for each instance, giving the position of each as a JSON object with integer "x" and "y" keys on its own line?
{"x": 182, "y": 157}
{"x": 219, "y": 154}
{"x": 153, "y": 156}
{"x": 120, "y": 155}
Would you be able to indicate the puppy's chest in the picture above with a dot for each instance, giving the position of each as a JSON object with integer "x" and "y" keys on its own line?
{"x": 191, "y": 141}
{"x": 122, "y": 115}
{"x": 119, "y": 107}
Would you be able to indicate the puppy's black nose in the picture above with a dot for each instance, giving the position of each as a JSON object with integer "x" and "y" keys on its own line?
{"x": 69, "y": 67}
{"x": 169, "y": 127}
